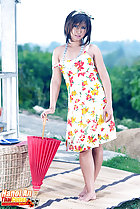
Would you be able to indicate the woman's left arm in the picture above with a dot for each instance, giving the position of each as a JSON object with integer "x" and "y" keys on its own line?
{"x": 99, "y": 63}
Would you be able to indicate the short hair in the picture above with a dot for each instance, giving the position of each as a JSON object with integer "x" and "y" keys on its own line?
{"x": 77, "y": 18}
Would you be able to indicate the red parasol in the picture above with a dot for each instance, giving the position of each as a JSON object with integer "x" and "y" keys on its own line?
{"x": 41, "y": 153}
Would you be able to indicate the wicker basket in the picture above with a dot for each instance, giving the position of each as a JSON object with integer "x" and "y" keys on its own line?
{"x": 14, "y": 166}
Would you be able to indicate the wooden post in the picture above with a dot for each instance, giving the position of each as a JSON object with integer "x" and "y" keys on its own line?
{"x": 9, "y": 64}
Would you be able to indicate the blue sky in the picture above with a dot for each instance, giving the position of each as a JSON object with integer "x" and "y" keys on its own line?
{"x": 42, "y": 21}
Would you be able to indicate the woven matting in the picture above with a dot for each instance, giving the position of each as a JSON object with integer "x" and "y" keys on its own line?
{"x": 64, "y": 182}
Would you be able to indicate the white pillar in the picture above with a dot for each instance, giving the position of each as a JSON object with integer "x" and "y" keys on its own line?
{"x": 9, "y": 63}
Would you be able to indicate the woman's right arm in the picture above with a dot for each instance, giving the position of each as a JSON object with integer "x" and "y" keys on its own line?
{"x": 54, "y": 85}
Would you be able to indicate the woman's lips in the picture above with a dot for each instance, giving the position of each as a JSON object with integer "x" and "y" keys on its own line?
{"x": 78, "y": 36}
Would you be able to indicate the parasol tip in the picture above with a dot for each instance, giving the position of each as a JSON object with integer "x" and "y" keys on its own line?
{"x": 35, "y": 193}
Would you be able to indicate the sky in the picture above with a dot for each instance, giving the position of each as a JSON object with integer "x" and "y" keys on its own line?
{"x": 42, "y": 21}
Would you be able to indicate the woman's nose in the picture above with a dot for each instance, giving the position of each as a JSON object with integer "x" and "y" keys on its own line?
{"x": 79, "y": 30}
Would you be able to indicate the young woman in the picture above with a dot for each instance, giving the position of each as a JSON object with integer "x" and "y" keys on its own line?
{"x": 90, "y": 121}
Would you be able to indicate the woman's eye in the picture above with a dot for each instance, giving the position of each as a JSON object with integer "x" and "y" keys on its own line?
{"x": 83, "y": 27}
{"x": 75, "y": 26}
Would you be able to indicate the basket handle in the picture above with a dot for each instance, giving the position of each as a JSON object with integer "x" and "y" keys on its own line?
{"x": 44, "y": 123}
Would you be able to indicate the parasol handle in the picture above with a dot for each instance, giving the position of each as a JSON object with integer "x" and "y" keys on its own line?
{"x": 44, "y": 123}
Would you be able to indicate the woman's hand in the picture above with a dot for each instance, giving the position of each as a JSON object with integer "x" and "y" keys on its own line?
{"x": 47, "y": 111}
{"x": 107, "y": 113}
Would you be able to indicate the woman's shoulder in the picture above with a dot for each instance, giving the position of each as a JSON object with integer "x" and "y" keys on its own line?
{"x": 93, "y": 50}
{"x": 93, "y": 47}
{"x": 58, "y": 51}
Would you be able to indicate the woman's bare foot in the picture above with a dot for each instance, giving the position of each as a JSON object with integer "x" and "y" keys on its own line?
{"x": 88, "y": 196}
{"x": 83, "y": 192}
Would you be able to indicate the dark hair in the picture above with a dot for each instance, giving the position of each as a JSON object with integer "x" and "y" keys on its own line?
{"x": 77, "y": 18}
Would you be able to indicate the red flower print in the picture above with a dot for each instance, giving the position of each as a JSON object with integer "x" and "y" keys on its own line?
{"x": 77, "y": 100}
{"x": 75, "y": 107}
{"x": 79, "y": 65}
{"x": 69, "y": 122}
{"x": 88, "y": 121}
{"x": 94, "y": 127}
{"x": 88, "y": 97}
{"x": 81, "y": 74}
{"x": 75, "y": 147}
{"x": 71, "y": 98}
{"x": 75, "y": 131}
{"x": 104, "y": 100}
{"x": 70, "y": 133}
{"x": 83, "y": 103}
{"x": 82, "y": 137}
{"x": 71, "y": 147}
{"x": 91, "y": 76}
{"x": 112, "y": 125}
{"x": 71, "y": 81}
{"x": 82, "y": 131}
{"x": 70, "y": 73}
{"x": 79, "y": 148}
{"x": 84, "y": 83}
{"x": 102, "y": 129}
{"x": 91, "y": 139}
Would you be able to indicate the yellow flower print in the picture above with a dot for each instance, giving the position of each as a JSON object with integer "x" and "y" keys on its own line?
{"x": 73, "y": 93}
{"x": 67, "y": 84}
{"x": 106, "y": 136}
{"x": 85, "y": 110}
{"x": 89, "y": 60}
{"x": 68, "y": 60}
{"x": 61, "y": 68}
{"x": 82, "y": 124}
{"x": 94, "y": 92}
{"x": 97, "y": 85}
{"x": 71, "y": 98}
{"x": 93, "y": 113}
{"x": 99, "y": 136}
{"x": 77, "y": 100}
{"x": 84, "y": 83}
{"x": 73, "y": 119}
{"x": 70, "y": 133}
{"x": 101, "y": 120}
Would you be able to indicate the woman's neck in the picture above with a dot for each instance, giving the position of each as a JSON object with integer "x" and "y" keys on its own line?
{"x": 74, "y": 43}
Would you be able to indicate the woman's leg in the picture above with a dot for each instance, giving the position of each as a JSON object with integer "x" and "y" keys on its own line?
{"x": 97, "y": 154}
{"x": 87, "y": 167}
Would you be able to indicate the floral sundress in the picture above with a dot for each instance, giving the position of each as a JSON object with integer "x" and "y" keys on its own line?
{"x": 86, "y": 128}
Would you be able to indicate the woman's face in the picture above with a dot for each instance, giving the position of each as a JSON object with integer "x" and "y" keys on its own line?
{"x": 78, "y": 31}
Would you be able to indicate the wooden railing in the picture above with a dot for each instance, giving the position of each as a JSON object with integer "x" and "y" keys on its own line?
{"x": 9, "y": 116}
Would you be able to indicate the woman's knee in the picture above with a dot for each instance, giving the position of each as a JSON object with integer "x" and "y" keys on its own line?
{"x": 86, "y": 152}
{"x": 98, "y": 149}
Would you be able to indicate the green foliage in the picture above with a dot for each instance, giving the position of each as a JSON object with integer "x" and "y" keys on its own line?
{"x": 126, "y": 88}
{"x": 131, "y": 204}
{"x": 35, "y": 72}
{"x": 123, "y": 163}
{"x": 127, "y": 122}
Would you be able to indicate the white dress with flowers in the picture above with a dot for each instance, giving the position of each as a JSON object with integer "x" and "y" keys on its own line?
{"x": 86, "y": 128}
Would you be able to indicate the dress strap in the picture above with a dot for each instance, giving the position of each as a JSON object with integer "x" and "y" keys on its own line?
{"x": 63, "y": 58}
{"x": 87, "y": 47}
